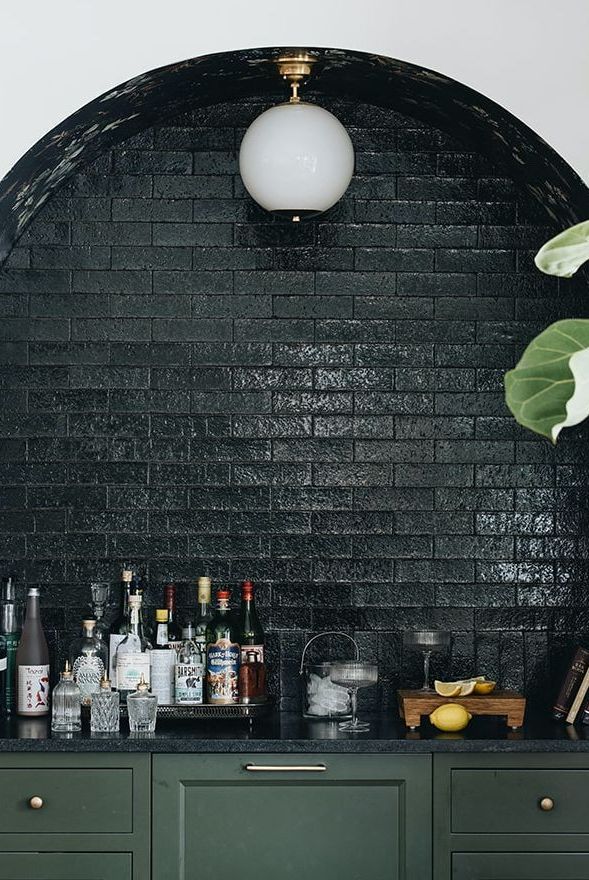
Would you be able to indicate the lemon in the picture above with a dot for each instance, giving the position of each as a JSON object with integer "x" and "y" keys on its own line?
{"x": 485, "y": 687}
{"x": 450, "y": 717}
{"x": 447, "y": 688}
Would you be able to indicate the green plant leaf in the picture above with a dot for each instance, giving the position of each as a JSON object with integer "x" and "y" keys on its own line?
{"x": 549, "y": 388}
{"x": 566, "y": 252}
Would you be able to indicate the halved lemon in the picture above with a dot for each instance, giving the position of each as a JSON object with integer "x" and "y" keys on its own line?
{"x": 485, "y": 687}
{"x": 448, "y": 688}
{"x": 467, "y": 688}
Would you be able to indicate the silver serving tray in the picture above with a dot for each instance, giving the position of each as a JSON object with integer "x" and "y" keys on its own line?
{"x": 206, "y": 712}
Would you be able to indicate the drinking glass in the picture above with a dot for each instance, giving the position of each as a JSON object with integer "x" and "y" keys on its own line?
{"x": 353, "y": 675}
{"x": 428, "y": 642}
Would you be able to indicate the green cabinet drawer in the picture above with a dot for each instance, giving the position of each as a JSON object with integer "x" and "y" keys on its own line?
{"x": 337, "y": 817}
{"x": 92, "y": 800}
{"x": 507, "y": 801}
{"x": 65, "y": 866}
{"x": 520, "y": 866}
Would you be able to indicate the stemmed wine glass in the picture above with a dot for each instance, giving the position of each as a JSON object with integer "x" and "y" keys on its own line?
{"x": 428, "y": 642}
{"x": 353, "y": 675}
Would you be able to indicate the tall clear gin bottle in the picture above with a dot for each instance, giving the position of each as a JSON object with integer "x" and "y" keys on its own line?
{"x": 132, "y": 659}
{"x": 32, "y": 662}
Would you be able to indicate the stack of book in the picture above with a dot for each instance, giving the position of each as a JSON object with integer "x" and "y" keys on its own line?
{"x": 572, "y": 703}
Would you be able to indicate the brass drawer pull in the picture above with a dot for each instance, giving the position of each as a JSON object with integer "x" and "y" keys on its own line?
{"x": 546, "y": 804}
{"x": 285, "y": 768}
{"x": 36, "y": 802}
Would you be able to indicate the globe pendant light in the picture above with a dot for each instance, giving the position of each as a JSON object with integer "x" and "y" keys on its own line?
{"x": 296, "y": 159}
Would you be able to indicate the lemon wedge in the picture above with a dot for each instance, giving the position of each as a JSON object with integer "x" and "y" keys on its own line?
{"x": 485, "y": 687}
{"x": 448, "y": 688}
{"x": 467, "y": 688}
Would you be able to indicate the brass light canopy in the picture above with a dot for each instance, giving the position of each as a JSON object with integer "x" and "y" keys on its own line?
{"x": 296, "y": 159}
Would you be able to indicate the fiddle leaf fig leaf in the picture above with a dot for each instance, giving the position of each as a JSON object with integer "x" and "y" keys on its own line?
{"x": 549, "y": 388}
{"x": 566, "y": 252}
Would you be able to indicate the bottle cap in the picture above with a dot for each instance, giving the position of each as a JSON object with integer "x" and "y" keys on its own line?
{"x": 105, "y": 682}
{"x": 223, "y": 595}
{"x": 247, "y": 589}
{"x": 135, "y": 600}
{"x": 67, "y": 672}
{"x": 127, "y": 575}
{"x": 34, "y": 591}
{"x": 204, "y": 589}
{"x": 89, "y": 622}
{"x": 142, "y": 686}
{"x": 161, "y": 615}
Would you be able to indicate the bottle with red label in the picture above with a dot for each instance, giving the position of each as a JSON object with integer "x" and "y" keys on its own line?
{"x": 223, "y": 654}
{"x": 32, "y": 662}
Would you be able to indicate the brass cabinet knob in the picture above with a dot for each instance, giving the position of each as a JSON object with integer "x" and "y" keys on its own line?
{"x": 35, "y": 803}
{"x": 546, "y": 804}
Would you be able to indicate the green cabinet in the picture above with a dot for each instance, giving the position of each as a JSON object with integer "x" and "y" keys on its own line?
{"x": 520, "y": 866}
{"x": 511, "y": 817}
{"x": 73, "y": 816}
{"x": 336, "y": 817}
{"x": 65, "y": 866}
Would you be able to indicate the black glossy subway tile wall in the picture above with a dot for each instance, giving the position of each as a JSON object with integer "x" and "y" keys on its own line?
{"x": 193, "y": 386}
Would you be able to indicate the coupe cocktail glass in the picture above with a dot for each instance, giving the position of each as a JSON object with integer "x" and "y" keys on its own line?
{"x": 354, "y": 675}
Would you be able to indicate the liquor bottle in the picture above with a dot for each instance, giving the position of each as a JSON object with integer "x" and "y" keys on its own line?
{"x": 120, "y": 626}
{"x": 174, "y": 630}
{"x": 204, "y": 613}
{"x": 3, "y": 664}
{"x": 104, "y": 710}
{"x": 10, "y": 630}
{"x": 88, "y": 660}
{"x": 32, "y": 662}
{"x": 66, "y": 716}
{"x": 252, "y": 679}
{"x": 223, "y": 654}
{"x": 250, "y": 634}
{"x": 189, "y": 674}
{"x": 162, "y": 661}
{"x": 132, "y": 658}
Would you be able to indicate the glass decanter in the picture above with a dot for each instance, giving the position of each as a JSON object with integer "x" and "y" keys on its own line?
{"x": 142, "y": 709}
{"x": 66, "y": 714}
{"x": 100, "y": 592}
{"x": 89, "y": 660}
{"x": 104, "y": 710}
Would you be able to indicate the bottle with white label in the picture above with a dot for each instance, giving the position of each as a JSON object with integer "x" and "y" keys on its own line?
{"x": 132, "y": 659}
{"x": 189, "y": 674}
{"x": 3, "y": 664}
{"x": 162, "y": 661}
{"x": 32, "y": 662}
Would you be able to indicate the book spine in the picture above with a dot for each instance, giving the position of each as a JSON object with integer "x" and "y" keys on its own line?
{"x": 579, "y": 700}
{"x": 570, "y": 685}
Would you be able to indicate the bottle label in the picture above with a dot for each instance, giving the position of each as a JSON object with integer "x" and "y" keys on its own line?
{"x": 175, "y": 645}
{"x": 12, "y": 640}
{"x": 114, "y": 641}
{"x": 189, "y": 683}
{"x": 3, "y": 664}
{"x": 88, "y": 671}
{"x": 33, "y": 689}
{"x": 223, "y": 672}
{"x": 258, "y": 650}
{"x": 130, "y": 667}
{"x": 162, "y": 676}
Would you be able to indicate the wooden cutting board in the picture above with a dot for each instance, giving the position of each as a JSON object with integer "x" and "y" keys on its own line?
{"x": 414, "y": 704}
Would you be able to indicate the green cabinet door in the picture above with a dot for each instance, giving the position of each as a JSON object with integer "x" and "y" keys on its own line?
{"x": 288, "y": 817}
{"x": 520, "y": 866}
{"x": 65, "y": 866}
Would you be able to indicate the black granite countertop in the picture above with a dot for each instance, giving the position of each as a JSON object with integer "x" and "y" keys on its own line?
{"x": 290, "y": 733}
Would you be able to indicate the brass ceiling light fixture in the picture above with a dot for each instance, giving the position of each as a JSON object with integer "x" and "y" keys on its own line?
{"x": 296, "y": 159}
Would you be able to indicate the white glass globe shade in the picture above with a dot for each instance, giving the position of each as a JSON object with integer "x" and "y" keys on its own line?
{"x": 296, "y": 160}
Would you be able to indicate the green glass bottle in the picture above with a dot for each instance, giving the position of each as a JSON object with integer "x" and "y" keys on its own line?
{"x": 204, "y": 614}
{"x": 10, "y": 627}
{"x": 223, "y": 653}
{"x": 250, "y": 633}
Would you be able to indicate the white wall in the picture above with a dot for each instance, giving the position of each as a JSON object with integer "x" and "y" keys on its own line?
{"x": 531, "y": 56}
